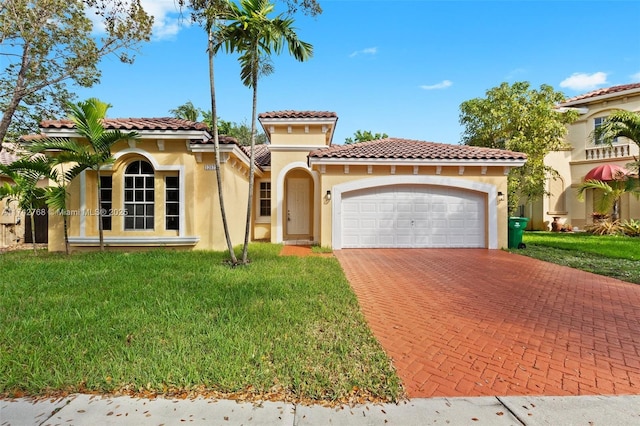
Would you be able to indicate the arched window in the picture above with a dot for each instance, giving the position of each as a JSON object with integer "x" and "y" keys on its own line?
{"x": 139, "y": 196}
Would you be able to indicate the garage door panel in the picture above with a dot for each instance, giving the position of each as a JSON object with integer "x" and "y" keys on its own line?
{"x": 413, "y": 216}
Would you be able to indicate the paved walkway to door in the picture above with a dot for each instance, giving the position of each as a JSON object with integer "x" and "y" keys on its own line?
{"x": 472, "y": 322}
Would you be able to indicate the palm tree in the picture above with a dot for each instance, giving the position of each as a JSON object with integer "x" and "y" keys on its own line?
{"x": 186, "y": 111}
{"x": 619, "y": 123}
{"x": 208, "y": 13}
{"x": 611, "y": 193}
{"x": 88, "y": 117}
{"x": 24, "y": 191}
{"x": 255, "y": 37}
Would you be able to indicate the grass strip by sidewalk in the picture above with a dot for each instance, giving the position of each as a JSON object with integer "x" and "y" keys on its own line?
{"x": 612, "y": 256}
{"x": 164, "y": 320}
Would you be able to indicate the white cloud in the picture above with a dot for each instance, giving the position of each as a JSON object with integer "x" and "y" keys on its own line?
{"x": 635, "y": 77}
{"x": 167, "y": 19}
{"x": 367, "y": 51}
{"x": 442, "y": 85}
{"x": 583, "y": 81}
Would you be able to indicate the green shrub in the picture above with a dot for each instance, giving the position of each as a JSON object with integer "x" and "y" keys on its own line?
{"x": 630, "y": 228}
{"x": 605, "y": 227}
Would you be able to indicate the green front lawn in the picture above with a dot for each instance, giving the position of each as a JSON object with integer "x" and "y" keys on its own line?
{"x": 173, "y": 322}
{"x": 614, "y": 256}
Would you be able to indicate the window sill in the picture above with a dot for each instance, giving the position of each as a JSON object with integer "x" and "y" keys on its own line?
{"x": 263, "y": 219}
{"x": 135, "y": 241}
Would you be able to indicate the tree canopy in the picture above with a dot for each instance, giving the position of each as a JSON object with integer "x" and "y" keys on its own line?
{"x": 519, "y": 118}
{"x": 366, "y": 135}
{"x": 47, "y": 44}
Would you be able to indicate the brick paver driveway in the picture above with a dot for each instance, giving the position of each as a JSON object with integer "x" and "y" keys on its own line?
{"x": 467, "y": 322}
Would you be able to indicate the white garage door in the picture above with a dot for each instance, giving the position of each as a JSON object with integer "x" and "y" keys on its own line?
{"x": 415, "y": 216}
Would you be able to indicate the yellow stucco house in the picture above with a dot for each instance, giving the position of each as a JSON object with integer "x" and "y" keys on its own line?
{"x": 581, "y": 155}
{"x": 162, "y": 191}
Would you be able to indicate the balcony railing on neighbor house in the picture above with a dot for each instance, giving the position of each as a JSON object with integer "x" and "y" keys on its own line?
{"x": 602, "y": 152}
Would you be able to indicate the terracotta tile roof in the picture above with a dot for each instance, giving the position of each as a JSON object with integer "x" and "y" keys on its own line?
{"x": 164, "y": 123}
{"x": 298, "y": 114}
{"x": 395, "y": 148}
{"x": 602, "y": 92}
{"x": 262, "y": 154}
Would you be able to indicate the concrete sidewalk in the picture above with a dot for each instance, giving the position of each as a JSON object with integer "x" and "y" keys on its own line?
{"x": 520, "y": 410}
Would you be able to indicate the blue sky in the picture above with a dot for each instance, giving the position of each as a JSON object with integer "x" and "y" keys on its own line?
{"x": 398, "y": 67}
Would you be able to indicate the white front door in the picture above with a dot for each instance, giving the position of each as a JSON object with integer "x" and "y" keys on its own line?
{"x": 298, "y": 206}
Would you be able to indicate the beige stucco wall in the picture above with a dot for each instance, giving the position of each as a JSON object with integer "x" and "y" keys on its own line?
{"x": 287, "y": 163}
{"x": 298, "y": 135}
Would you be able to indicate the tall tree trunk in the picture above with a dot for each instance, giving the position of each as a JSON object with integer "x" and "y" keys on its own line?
{"x": 33, "y": 231}
{"x": 247, "y": 230}
{"x": 66, "y": 232}
{"x": 65, "y": 219}
{"x": 216, "y": 146}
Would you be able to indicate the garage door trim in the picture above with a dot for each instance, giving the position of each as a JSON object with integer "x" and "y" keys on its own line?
{"x": 338, "y": 191}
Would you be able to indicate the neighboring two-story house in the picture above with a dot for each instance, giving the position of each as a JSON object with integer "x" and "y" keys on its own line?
{"x": 581, "y": 155}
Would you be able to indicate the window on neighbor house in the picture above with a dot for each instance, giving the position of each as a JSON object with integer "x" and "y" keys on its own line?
{"x": 597, "y": 122}
{"x": 139, "y": 196}
{"x": 172, "y": 202}
{"x": 265, "y": 198}
{"x": 106, "y": 196}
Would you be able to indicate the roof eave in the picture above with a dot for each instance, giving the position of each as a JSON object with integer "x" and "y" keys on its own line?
{"x": 597, "y": 98}
{"x": 418, "y": 162}
{"x": 144, "y": 134}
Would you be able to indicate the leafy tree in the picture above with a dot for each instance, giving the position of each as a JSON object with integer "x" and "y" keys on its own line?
{"x": 250, "y": 32}
{"x": 25, "y": 191}
{"x": 93, "y": 154}
{"x": 240, "y": 131}
{"x": 186, "y": 111}
{"x": 609, "y": 201}
{"x": 518, "y": 118}
{"x": 49, "y": 43}
{"x": 363, "y": 136}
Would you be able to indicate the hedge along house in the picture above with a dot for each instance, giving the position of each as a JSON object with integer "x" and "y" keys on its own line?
{"x": 162, "y": 190}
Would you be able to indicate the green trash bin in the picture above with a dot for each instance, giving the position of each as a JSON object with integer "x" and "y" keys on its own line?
{"x": 516, "y": 230}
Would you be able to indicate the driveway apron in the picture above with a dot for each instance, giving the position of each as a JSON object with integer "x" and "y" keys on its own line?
{"x": 475, "y": 322}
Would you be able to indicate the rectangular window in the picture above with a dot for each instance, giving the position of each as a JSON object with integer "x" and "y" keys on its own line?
{"x": 597, "y": 122}
{"x": 106, "y": 194}
{"x": 265, "y": 198}
{"x": 172, "y": 202}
